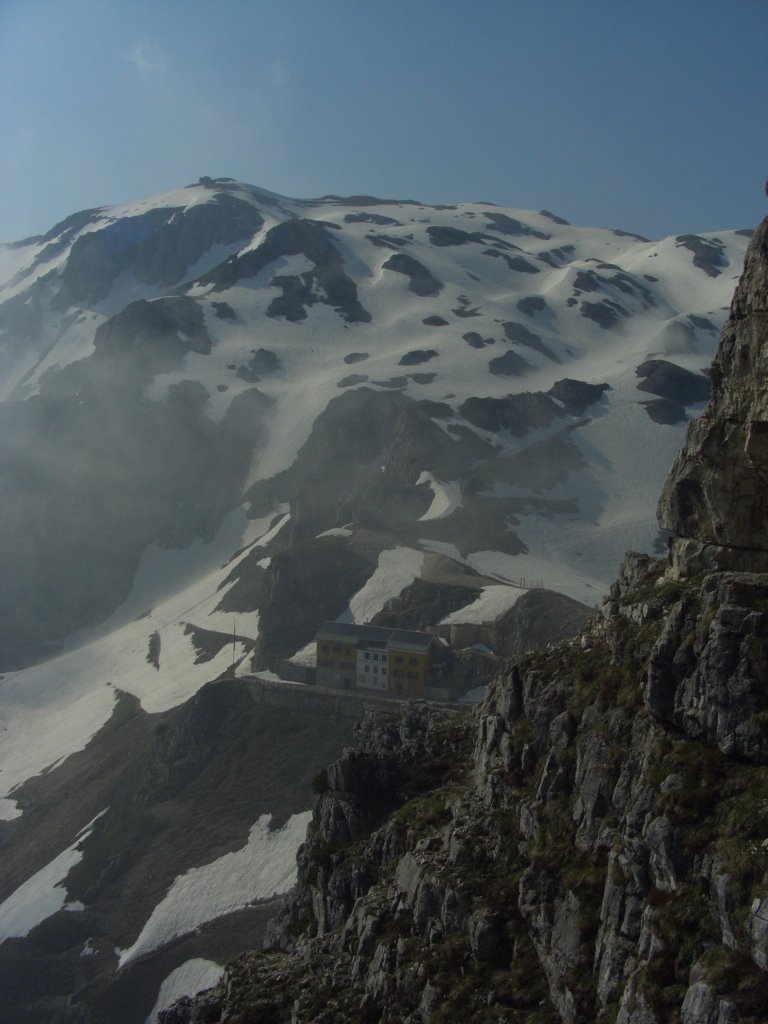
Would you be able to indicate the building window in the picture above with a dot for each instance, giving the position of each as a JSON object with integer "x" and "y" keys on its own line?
{"x": 411, "y": 661}
{"x": 367, "y": 668}
{"x": 399, "y": 659}
{"x": 367, "y": 656}
{"x": 324, "y": 648}
{"x": 413, "y": 675}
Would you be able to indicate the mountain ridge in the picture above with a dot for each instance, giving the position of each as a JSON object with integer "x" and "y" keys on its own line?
{"x": 157, "y": 342}
{"x": 195, "y": 476}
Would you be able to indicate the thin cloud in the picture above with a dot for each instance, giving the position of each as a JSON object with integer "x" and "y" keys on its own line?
{"x": 147, "y": 59}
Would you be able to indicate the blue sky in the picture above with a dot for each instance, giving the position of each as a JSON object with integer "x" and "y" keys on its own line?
{"x": 645, "y": 116}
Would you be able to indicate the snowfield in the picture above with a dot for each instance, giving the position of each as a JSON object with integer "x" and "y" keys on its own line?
{"x": 589, "y": 304}
{"x": 264, "y": 867}
{"x": 44, "y": 893}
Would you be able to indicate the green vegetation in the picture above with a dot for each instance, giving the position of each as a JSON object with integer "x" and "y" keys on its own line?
{"x": 719, "y": 803}
{"x": 597, "y": 680}
{"x": 649, "y": 590}
{"x": 424, "y": 813}
{"x": 326, "y": 856}
{"x": 732, "y": 973}
{"x": 514, "y": 992}
{"x": 446, "y": 759}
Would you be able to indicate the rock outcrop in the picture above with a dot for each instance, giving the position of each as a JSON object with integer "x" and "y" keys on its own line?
{"x": 591, "y": 845}
{"x": 586, "y": 847}
{"x": 716, "y": 498}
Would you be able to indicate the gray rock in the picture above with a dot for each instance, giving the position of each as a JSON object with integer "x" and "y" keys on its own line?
{"x": 699, "y": 1005}
{"x": 430, "y": 1000}
{"x": 727, "y": 1012}
{"x": 722, "y": 890}
{"x": 667, "y": 380}
{"x": 707, "y": 673}
{"x": 420, "y": 280}
{"x": 664, "y": 854}
{"x": 485, "y": 936}
{"x": 635, "y": 1009}
{"x": 757, "y": 929}
{"x": 715, "y": 499}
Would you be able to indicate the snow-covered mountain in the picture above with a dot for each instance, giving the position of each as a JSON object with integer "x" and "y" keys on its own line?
{"x": 228, "y": 411}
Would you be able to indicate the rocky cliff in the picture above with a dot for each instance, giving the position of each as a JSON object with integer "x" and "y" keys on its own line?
{"x": 715, "y": 500}
{"x": 592, "y": 843}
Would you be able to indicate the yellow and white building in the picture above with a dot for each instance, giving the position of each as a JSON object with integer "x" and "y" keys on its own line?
{"x": 397, "y": 662}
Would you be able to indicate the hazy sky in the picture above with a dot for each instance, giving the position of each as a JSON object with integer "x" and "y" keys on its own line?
{"x": 648, "y": 116}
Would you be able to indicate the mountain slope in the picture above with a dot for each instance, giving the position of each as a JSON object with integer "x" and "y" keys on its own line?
{"x": 228, "y": 416}
{"x": 589, "y": 845}
{"x": 138, "y": 420}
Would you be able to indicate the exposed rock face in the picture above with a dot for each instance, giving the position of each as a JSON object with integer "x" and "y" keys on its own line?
{"x": 420, "y": 280}
{"x": 716, "y": 498}
{"x": 327, "y": 282}
{"x": 159, "y": 246}
{"x": 539, "y": 617}
{"x": 714, "y": 685}
{"x": 577, "y": 395}
{"x": 564, "y": 855}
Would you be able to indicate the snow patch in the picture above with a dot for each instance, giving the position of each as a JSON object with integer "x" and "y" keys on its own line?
{"x": 44, "y": 893}
{"x": 447, "y": 497}
{"x": 492, "y": 602}
{"x": 537, "y": 571}
{"x": 64, "y": 702}
{"x": 397, "y": 569}
{"x": 188, "y": 979}
{"x": 307, "y": 655}
{"x": 273, "y": 677}
{"x": 264, "y": 867}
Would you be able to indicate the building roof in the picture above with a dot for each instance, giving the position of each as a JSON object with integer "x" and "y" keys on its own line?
{"x": 350, "y": 632}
